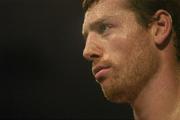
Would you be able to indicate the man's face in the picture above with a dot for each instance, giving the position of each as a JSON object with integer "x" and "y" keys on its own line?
{"x": 123, "y": 54}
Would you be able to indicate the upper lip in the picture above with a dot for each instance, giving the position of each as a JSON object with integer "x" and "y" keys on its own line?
{"x": 98, "y": 68}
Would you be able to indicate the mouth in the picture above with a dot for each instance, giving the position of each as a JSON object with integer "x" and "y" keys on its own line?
{"x": 100, "y": 72}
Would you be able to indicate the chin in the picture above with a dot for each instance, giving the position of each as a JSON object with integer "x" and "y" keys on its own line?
{"x": 117, "y": 97}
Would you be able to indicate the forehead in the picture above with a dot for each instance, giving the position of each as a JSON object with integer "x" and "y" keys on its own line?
{"x": 103, "y": 8}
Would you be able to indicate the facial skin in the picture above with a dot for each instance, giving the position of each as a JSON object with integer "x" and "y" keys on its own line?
{"x": 116, "y": 42}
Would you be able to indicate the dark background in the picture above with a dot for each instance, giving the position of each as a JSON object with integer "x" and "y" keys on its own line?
{"x": 42, "y": 71}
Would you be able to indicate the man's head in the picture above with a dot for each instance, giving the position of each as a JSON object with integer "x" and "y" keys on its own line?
{"x": 145, "y": 9}
{"x": 125, "y": 44}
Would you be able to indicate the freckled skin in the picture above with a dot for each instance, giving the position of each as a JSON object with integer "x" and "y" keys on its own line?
{"x": 125, "y": 46}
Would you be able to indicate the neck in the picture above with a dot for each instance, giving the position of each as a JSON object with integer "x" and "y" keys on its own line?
{"x": 159, "y": 99}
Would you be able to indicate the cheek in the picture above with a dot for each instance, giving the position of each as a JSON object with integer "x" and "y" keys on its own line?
{"x": 119, "y": 50}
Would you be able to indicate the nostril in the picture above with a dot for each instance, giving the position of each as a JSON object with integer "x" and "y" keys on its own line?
{"x": 93, "y": 56}
{"x": 90, "y": 56}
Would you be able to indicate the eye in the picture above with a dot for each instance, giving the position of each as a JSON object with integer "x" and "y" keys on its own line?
{"x": 104, "y": 28}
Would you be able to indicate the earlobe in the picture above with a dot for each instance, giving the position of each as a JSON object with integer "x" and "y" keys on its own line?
{"x": 162, "y": 27}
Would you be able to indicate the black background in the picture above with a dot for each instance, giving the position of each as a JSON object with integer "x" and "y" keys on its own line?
{"x": 42, "y": 71}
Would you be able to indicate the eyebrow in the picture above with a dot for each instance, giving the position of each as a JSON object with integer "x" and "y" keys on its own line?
{"x": 94, "y": 24}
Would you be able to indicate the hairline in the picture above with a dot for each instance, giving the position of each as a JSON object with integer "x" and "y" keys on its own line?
{"x": 88, "y": 5}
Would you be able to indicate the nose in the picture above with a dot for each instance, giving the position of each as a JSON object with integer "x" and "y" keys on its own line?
{"x": 93, "y": 48}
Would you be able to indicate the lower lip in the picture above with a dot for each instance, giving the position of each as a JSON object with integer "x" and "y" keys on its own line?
{"x": 102, "y": 73}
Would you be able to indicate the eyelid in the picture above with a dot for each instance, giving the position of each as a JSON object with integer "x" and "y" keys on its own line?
{"x": 96, "y": 27}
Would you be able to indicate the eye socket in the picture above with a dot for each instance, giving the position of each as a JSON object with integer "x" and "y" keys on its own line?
{"x": 104, "y": 28}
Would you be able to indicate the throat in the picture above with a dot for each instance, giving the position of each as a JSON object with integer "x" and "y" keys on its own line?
{"x": 157, "y": 101}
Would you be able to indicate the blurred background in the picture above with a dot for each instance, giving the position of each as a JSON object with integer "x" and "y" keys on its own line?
{"x": 42, "y": 71}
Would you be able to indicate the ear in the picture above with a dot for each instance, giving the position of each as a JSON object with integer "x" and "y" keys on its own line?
{"x": 161, "y": 26}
